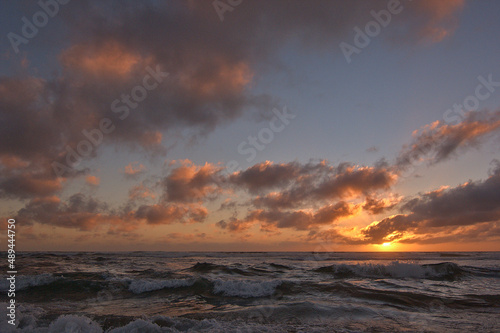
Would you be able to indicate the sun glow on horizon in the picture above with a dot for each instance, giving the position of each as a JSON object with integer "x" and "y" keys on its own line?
{"x": 388, "y": 246}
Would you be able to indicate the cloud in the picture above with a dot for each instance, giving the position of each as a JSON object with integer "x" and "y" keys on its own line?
{"x": 28, "y": 184}
{"x": 185, "y": 188}
{"x": 481, "y": 232}
{"x": 445, "y": 209}
{"x": 140, "y": 192}
{"x": 306, "y": 196}
{"x": 299, "y": 196}
{"x": 235, "y": 225}
{"x": 266, "y": 175}
{"x": 434, "y": 20}
{"x": 111, "y": 58}
{"x": 78, "y": 212}
{"x": 210, "y": 65}
{"x": 292, "y": 184}
{"x": 298, "y": 219}
{"x": 110, "y": 49}
{"x": 133, "y": 169}
{"x": 192, "y": 183}
{"x": 177, "y": 236}
{"x": 92, "y": 180}
{"x": 168, "y": 214}
{"x": 439, "y": 141}
{"x": 377, "y": 206}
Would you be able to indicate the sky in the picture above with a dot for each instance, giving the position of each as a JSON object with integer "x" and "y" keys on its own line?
{"x": 239, "y": 125}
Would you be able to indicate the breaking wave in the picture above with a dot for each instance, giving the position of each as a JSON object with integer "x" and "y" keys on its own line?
{"x": 396, "y": 269}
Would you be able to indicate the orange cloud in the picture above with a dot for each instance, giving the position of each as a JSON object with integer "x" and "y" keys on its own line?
{"x": 377, "y": 206}
{"x": 177, "y": 236}
{"x": 92, "y": 180}
{"x": 134, "y": 168}
{"x": 150, "y": 139}
{"x": 217, "y": 79}
{"x": 168, "y": 214}
{"x": 439, "y": 141}
{"x": 110, "y": 58}
{"x": 140, "y": 192}
{"x": 78, "y": 212}
{"x": 444, "y": 210}
{"x": 192, "y": 183}
{"x": 13, "y": 162}
{"x": 441, "y": 18}
{"x": 299, "y": 219}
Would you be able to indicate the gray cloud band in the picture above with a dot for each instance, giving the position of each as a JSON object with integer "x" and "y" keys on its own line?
{"x": 122, "y": 107}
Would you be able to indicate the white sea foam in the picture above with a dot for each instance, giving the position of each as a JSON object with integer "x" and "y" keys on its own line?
{"x": 174, "y": 325}
{"x": 142, "y": 286}
{"x": 394, "y": 269}
{"x": 72, "y": 323}
{"x": 26, "y": 281}
{"x": 245, "y": 288}
{"x": 155, "y": 324}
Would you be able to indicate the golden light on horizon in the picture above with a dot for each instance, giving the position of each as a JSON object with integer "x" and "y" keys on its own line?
{"x": 388, "y": 246}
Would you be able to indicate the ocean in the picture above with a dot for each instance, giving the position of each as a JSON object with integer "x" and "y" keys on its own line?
{"x": 254, "y": 292}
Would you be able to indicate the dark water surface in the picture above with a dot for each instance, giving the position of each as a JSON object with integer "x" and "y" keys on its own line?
{"x": 255, "y": 292}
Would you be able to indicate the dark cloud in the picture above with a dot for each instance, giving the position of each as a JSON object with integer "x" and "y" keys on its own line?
{"x": 191, "y": 183}
{"x": 140, "y": 192}
{"x": 113, "y": 47}
{"x": 105, "y": 50}
{"x": 27, "y": 184}
{"x": 293, "y": 184}
{"x": 168, "y": 214}
{"x": 79, "y": 212}
{"x": 234, "y": 225}
{"x": 465, "y": 205}
{"x": 481, "y": 232}
{"x": 298, "y": 219}
{"x": 440, "y": 141}
{"x": 267, "y": 175}
{"x": 377, "y": 206}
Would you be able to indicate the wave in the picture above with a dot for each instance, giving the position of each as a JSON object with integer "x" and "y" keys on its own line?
{"x": 26, "y": 281}
{"x": 278, "y": 266}
{"x": 216, "y": 287}
{"x": 142, "y": 286}
{"x": 245, "y": 288}
{"x": 269, "y": 279}
{"x": 70, "y": 287}
{"x": 396, "y": 269}
{"x": 301, "y": 316}
{"x": 206, "y": 267}
{"x": 156, "y": 324}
